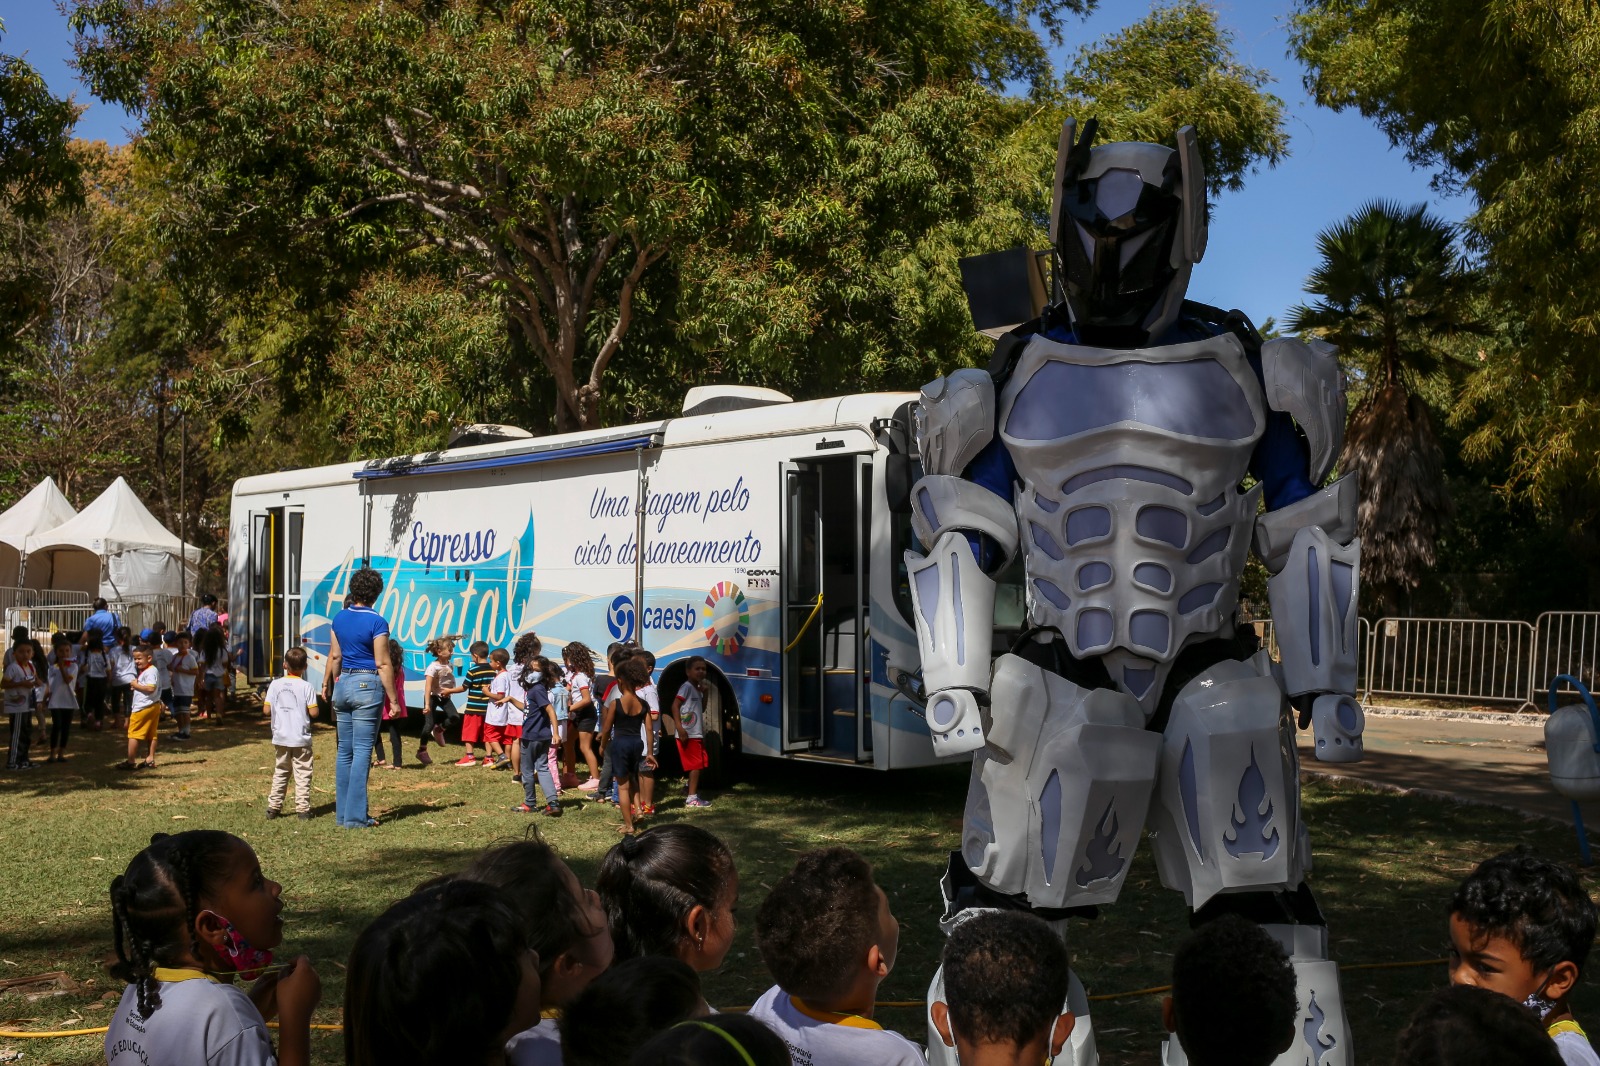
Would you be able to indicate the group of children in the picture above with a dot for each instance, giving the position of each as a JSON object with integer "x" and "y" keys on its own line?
{"x": 133, "y": 682}
{"x": 526, "y": 713}
{"x": 562, "y": 974}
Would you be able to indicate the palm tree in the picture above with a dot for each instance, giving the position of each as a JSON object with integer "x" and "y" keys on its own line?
{"x": 1392, "y": 289}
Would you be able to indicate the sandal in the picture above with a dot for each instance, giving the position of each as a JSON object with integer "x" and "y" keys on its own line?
{"x": 147, "y": 765}
{"x": 127, "y": 764}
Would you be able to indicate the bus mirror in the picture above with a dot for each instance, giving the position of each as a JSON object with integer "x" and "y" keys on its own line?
{"x": 898, "y": 475}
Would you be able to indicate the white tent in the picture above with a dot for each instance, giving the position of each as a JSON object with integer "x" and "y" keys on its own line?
{"x": 114, "y": 548}
{"x": 41, "y": 510}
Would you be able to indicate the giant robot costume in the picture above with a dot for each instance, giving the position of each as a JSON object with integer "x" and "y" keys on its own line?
{"x": 1108, "y": 444}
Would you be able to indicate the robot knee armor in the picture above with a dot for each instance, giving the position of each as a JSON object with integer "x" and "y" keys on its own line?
{"x": 1228, "y": 816}
{"x": 1060, "y": 791}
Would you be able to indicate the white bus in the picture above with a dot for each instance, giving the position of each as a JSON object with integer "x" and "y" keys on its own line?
{"x": 769, "y": 541}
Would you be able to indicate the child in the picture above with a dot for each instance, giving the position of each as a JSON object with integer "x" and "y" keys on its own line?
{"x": 123, "y": 672}
{"x": 616, "y": 652}
{"x": 185, "y": 670}
{"x": 1522, "y": 926}
{"x": 163, "y": 648}
{"x": 292, "y": 703}
{"x": 514, "y": 696}
{"x": 438, "y": 685}
{"x": 191, "y": 909}
{"x": 63, "y": 698}
{"x": 218, "y": 665}
{"x": 449, "y": 935}
{"x": 671, "y": 891}
{"x": 19, "y": 681}
{"x": 537, "y": 741}
{"x": 558, "y": 699}
{"x": 95, "y": 670}
{"x": 828, "y": 938}
{"x": 721, "y": 1040}
{"x": 1233, "y": 1000}
{"x": 688, "y": 714}
{"x": 1465, "y": 1026}
{"x": 652, "y": 699}
{"x": 626, "y": 733}
{"x": 626, "y": 1006}
{"x": 1005, "y": 981}
{"x": 391, "y": 715}
{"x": 581, "y": 715}
{"x": 499, "y": 710}
{"x": 479, "y": 675}
{"x": 145, "y": 718}
{"x": 566, "y": 925}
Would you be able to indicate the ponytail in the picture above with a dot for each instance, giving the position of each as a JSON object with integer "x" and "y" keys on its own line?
{"x": 649, "y": 883}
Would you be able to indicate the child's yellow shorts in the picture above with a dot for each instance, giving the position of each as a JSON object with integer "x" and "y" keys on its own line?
{"x": 143, "y": 724}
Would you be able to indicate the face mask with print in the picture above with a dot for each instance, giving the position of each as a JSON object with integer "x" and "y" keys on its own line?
{"x": 246, "y": 959}
{"x": 1540, "y": 1004}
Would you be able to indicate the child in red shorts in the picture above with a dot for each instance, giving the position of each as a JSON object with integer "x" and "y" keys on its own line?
{"x": 499, "y": 712}
{"x": 688, "y": 711}
{"x": 479, "y": 675}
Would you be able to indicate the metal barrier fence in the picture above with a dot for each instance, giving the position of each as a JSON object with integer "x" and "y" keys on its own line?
{"x": 65, "y": 612}
{"x": 1492, "y": 660}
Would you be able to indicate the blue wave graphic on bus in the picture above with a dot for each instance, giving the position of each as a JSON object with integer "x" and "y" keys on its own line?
{"x": 487, "y": 600}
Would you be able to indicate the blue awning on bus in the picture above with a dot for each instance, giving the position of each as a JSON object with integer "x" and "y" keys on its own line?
{"x": 494, "y": 462}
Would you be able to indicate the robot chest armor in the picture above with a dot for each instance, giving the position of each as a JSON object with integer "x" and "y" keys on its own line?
{"x": 1134, "y": 530}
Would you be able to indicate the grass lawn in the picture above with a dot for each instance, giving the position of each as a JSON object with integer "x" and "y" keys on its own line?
{"x": 1385, "y": 867}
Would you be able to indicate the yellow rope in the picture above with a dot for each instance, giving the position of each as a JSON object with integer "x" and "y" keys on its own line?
{"x": 1154, "y": 990}
{"x": 812, "y": 617}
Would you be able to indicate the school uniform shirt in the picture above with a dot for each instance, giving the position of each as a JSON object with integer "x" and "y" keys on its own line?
{"x": 535, "y": 720}
{"x": 501, "y": 714}
{"x": 95, "y": 664}
{"x": 62, "y": 680}
{"x": 123, "y": 668}
{"x": 141, "y": 700}
{"x": 163, "y": 657}
{"x": 819, "y": 1039}
{"x": 691, "y": 715}
{"x": 442, "y": 677}
{"x": 1573, "y": 1044}
{"x": 200, "y": 1021}
{"x": 478, "y": 675}
{"x": 183, "y": 684}
{"x": 16, "y": 699}
{"x": 539, "y": 1046}
{"x": 290, "y": 698}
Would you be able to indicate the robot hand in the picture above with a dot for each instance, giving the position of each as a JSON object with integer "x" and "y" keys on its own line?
{"x": 955, "y": 721}
{"x": 1337, "y": 723}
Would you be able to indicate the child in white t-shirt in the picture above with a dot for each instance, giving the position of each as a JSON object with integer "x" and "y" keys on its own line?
{"x": 688, "y": 716}
{"x": 438, "y": 685}
{"x": 63, "y": 683}
{"x": 185, "y": 671}
{"x": 501, "y": 709}
{"x": 292, "y": 702}
{"x": 19, "y": 681}
{"x": 827, "y": 936}
{"x": 145, "y": 717}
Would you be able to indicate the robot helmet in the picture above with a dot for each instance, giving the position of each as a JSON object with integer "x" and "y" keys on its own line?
{"x": 1128, "y": 223}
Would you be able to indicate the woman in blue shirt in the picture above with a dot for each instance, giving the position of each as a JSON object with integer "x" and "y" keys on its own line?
{"x": 359, "y": 675}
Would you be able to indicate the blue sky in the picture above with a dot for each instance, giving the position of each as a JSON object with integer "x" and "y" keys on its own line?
{"x": 1263, "y": 238}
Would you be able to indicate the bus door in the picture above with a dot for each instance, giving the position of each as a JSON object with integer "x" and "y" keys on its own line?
{"x": 274, "y": 622}
{"x": 824, "y": 586}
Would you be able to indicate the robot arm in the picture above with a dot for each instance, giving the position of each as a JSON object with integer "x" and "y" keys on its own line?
{"x": 952, "y": 595}
{"x": 1312, "y": 553}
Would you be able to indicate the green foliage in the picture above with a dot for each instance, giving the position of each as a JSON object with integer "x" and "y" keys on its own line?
{"x": 1501, "y": 95}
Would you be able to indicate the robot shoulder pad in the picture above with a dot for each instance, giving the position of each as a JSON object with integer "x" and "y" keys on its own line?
{"x": 955, "y": 420}
{"x": 1303, "y": 379}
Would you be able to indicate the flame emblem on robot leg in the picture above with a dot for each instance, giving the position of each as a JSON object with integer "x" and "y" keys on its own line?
{"x": 1102, "y": 858}
{"x": 1319, "y": 1042}
{"x": 1252, "y": 831}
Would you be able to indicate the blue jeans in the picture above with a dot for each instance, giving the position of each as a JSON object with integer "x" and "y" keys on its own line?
{"x": 537, "y": 750}
{"x": 357, "y": 705}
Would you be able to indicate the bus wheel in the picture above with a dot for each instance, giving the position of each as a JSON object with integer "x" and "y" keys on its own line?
{"x": 723, "y": 732}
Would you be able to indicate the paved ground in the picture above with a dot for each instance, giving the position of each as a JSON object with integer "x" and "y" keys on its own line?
{"x": 1496, "y": 762}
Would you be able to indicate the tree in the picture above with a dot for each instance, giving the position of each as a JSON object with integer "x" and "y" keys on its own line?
{"x": 1500, "y": 95}
{"x": 37, "y": 175}
{"x": 1393, "y": 290}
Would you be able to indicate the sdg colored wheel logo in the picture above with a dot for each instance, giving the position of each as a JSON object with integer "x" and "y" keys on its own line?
{"x": 727, "y": 618}
{"x": 619, "y": 618}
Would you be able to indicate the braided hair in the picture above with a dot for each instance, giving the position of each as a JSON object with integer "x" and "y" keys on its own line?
{"x": 156, "y": 901}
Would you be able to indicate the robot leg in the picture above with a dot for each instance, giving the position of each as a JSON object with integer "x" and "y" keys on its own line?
{"x": 1227, "y": 829}
{"x": 1080, "y": 1049}
{"x": 1060, "y": 790}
